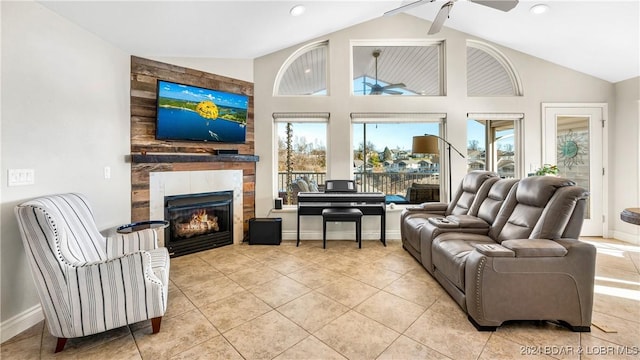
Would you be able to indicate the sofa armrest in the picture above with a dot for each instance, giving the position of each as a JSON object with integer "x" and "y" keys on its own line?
{"x": 535, "y": 248}
{"x": 494, "y": 250}
{"x": 430, "y": 207}
{"x": 468, "y": 221}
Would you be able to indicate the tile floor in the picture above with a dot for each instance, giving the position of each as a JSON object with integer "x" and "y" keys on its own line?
{"x": 288, "y": 302}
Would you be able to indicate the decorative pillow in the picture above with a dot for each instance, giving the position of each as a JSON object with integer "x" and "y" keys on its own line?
{"x": 304, "y": 187}
{"x": 313, "y": 186}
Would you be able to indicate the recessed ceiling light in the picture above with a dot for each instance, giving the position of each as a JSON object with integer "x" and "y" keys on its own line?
{"x": 297, "y": 10}
{"x": 539, "y": 9}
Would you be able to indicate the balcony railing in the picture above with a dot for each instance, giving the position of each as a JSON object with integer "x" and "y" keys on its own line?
{"x": 394, "y": 185}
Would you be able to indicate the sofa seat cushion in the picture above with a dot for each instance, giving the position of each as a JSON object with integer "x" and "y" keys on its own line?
{"x": 450, "y": 251}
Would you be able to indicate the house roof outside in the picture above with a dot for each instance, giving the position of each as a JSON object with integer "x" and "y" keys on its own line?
{"x": 599, "y": 38}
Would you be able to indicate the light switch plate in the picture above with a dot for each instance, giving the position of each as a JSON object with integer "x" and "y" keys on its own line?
{"x": 20, "y": 177}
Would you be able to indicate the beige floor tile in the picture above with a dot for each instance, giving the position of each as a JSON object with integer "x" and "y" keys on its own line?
{"x": 79, "y": 345}
{"x": 265, "y": 336}
{"x": 390, "y": 310}
{"x": 253, "y": 276}
{"x": 312, "y": 311}
{"x": 285, "y": 263}
{"x": 340, "y": 263}
{"x": 552, "y": 338}
{"x": 176, "y": 335}
{"x": 315, "y": 276}
{"x": 356, "y": 336}
{"x": 25, "y": 345}
{"x": 216, "y": 348}
{"x": 308, "y": 348}
{"x": 416, "y": 290}
{"x": 627, "y": 330}
{"x": 191, "y": 270}
{"x": 177, "y": 303}
{"x": 596, "y": 348}
{"x": 279, "y": 291}
{"x": 347, "y": 291}
{"x": 212, "y": 290}
{"x": 123, "y": 348}
{"x": 615, "y": 305}
{"x": 374, "y": 275}
{"x": 500, "y": 348}
{"x": 444, "y": 327}
{"x": 228, "y": 263}
{"x": 399, "y": 263}
{"x": 408, "y": 349}
{"x": 235, "y": 310}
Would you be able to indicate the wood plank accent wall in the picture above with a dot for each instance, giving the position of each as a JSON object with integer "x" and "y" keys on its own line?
{"x": 144, "y": 76}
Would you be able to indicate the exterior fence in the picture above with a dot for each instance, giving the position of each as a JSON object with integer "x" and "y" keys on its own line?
{"x": 388, "y": 183}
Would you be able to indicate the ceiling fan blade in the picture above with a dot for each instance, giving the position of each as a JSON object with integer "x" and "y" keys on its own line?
{"x": 443, "y": 14}
{"x": 406, "y": 7}
{"x": 370, "y": 84}
{"x": 392, "y": 92}
{"x": 504, "y": 5}
{"x": 393, "y": 86}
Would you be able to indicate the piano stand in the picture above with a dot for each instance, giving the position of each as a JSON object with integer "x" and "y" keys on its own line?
{"x": 342, "y": 215}
{"x": 369, "y": 203}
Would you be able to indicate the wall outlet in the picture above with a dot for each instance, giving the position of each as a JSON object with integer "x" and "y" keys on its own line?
{"x": 107, "y": 172}
{"x": 20, "y": 177}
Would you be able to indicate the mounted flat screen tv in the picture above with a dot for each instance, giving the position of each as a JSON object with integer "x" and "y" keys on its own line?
{"x": 191, "y": 113}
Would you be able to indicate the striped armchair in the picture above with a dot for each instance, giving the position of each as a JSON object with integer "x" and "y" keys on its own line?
{"x": 87, "y": 283}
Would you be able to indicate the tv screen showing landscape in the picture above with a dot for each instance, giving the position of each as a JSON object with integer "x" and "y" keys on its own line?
{"x": 193, "y": 113}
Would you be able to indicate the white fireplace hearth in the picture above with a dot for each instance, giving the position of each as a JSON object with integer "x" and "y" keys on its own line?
{"x": 171, "y": 183}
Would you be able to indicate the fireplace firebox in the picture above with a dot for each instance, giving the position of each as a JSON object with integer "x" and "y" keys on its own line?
{"x": 198, "y": 222}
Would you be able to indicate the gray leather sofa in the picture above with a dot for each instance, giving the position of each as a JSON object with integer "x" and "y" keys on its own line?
{"x": 512, "y": 254}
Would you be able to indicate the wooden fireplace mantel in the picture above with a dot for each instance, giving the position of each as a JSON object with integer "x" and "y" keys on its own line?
{"x": 189, "y": 158}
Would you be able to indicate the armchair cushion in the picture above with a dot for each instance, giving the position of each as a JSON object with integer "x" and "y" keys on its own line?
{"x": 535, "y": 247}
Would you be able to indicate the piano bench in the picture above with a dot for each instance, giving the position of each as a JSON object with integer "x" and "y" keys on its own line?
{"x": 342, "y": 215}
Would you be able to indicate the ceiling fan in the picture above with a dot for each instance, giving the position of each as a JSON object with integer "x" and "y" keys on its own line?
{"x": 377, "y": 89}
{"x": 443, "y": 14}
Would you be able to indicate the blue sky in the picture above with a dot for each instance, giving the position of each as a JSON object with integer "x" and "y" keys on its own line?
{"x": 391, "y": 135}
{"x": 192, "y": 93}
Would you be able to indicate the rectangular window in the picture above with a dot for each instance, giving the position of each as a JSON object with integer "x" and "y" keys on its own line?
{"x": 494, "y": 145}
{"x": 302, "y": 153}
{"x": 413, "y": 69}
{"x": 383, "y": 160}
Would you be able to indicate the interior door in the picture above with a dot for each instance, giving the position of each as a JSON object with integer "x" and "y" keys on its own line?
{"x": 573, "y": 139}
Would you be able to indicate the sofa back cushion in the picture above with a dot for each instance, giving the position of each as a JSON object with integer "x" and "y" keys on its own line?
{"x": 472, "y": 189}
{"x": 530, "y": 210}
{"x": 487, "y": 210}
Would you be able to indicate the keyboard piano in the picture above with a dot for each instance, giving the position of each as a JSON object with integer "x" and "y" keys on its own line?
{"x": 370, "y": 203}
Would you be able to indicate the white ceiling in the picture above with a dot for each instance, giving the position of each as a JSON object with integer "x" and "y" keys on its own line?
{"x": 600, "y": 38}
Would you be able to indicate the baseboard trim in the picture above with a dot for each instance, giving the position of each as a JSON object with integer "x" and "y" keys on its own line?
{"x": 626, "y": 237}
{"x": 20, "y": 322}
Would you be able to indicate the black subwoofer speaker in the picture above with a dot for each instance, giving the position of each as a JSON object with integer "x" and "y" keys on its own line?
{"x": 265, "y": 231}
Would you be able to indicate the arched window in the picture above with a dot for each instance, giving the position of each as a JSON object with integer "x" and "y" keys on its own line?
{"x": 489, "y": 72}
{"x": 305, "y": 72}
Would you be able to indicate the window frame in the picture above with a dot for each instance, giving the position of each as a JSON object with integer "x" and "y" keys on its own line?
{"x": 442, "y": 63}
{"x": 300, "y": 118}
{"x": 490, "y": 150}
{"x": 407, "y": 118}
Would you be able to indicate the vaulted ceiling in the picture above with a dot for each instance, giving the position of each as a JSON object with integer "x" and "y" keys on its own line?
{"x": 600, "y": 38}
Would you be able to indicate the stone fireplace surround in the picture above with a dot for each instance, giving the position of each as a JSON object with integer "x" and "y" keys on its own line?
{"x": 163, "y": 184}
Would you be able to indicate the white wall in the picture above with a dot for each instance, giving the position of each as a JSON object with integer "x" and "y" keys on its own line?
{"x": 542, "y": 82}
{"x": 625, "y": 182}
{"x": 241, "y": 69}
{"x": 65, "y": 114}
